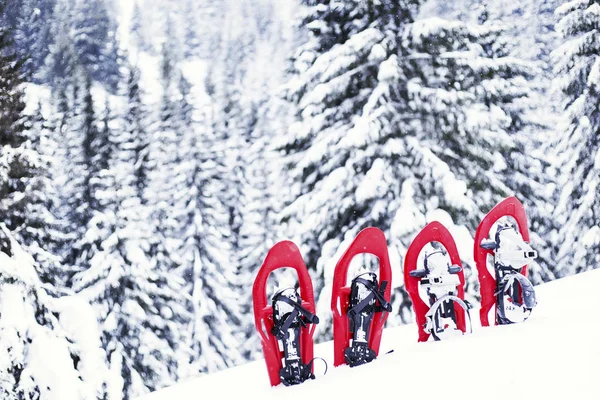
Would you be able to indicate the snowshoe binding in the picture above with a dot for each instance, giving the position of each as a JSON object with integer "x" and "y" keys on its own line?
{"x": 366, "y": 299}
{"x": 289, "y": 317}
{"x": 440, "y": 280}
{"x": 515, "y": 296}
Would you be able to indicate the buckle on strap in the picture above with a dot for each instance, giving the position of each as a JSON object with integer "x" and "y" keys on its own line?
{"x": 280, "y": 329}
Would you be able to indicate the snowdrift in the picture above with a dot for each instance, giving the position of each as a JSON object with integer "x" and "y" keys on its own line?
{"x": 553, "y": 355}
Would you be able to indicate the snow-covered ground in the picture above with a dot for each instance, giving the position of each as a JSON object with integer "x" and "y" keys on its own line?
{"x": 553, "y": 355}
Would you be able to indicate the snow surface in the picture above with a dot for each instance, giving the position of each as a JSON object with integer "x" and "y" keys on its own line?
{"x": 553, "y": 355}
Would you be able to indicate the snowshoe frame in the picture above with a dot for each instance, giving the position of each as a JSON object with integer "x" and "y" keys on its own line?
{"x": 371, "y": 241}
{"x": 512, "y": 207}
{"x": 284, "y": 254}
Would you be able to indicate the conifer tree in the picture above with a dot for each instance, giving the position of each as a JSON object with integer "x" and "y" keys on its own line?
{"x": 350, "y": 148}
{"x": 41, "y": 232}
{"x": 140, "y": 304}
{"x": 207, "y": 259}
{"x": 192, "y": 232}
{"x": 87, "y": 154}
{"x": 25, "y": 184}
{"x": 137, "y": 124}
{"x": 524, "y": 30}
{"x": 30, "y": 20}
{"x": 83, "y": 36}
{"x": 578, "y": 151}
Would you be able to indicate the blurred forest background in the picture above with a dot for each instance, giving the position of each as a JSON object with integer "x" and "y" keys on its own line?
{"x": 152, "y": 151}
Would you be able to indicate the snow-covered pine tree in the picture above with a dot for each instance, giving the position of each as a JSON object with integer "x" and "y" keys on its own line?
{"x": 60, "y": 63}
{"x": 85, "y": 153}
{"x": 36, "y": 328}
{"x": 207, "y": 262}
{"x": 137, "y": 123}
{"x": 209, "y": 19}
{"x": 578, "y": 151}
{"x": 83, "y": 33}
{"x": 266, "y": 115}
{"x": 93, "y": 34}
{"x": 164, "y": 160}
{"x": 233, "y": 116}
{"x": 192, "y": 225}
{"x": 526, "y": 32}
{"x": 476, "y": 111}
{"x": 399, "y": 125}
{"x": 40, "y": 231}
{"x": 141, "y": 306}
{"x": 25, "y": 162}
{"x": 246, "y": 69}
{"x": 30, "y": 20}
{"x": 66, "y": 174}
{"x": 16, "y": 162}
{"x": 350, "y": 152}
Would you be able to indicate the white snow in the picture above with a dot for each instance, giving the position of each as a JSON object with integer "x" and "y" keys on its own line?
{"x": 373, "y": 185}
{"x": 553, "y": 355}
{"x": 389, "y": 70}
{"x": 43, "y": 341}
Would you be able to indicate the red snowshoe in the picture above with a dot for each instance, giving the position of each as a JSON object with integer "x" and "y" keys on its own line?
{"x": 356, "y": 330}
{"x": 441, "y": 280}
{"x": 290, "y": 320}
{"x": 501, "y": 254}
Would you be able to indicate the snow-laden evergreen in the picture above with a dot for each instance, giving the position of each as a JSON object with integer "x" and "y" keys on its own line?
{"x": 347, "y": 154}
{"x": 80, "y": 33}
{"x": 30, "y": 20}
{"x": 140, "y": 305}
{"x": 26, "y": 162}
{"x": 524, "y": 30}
{"x": 50, "y": 348}
{"x": 204, "y": 254}
{"x": 578, "y": 152}
{"x": 41, "y": 226}
{"x": 190, "y": 219}
{"x": 246, "y": 69}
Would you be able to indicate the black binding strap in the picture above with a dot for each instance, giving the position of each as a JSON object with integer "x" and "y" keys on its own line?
{"x": 376, "y": 293}
{"x": 280, "y": 329}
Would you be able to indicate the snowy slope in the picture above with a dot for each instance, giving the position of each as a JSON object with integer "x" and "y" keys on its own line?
{"x": 553, "y": 355}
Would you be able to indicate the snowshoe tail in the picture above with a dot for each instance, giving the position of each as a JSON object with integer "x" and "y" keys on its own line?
{"x": 366, "y": 298}
{"x": 510, "y": 288}
{"x": 289, "y": 318}
{"x": 295, "y": 373}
